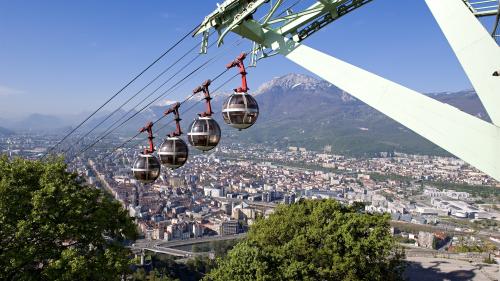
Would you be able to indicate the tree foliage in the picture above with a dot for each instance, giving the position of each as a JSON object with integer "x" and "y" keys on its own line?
{"x": 315, "y": 240}
{"x": 53, "y": 227}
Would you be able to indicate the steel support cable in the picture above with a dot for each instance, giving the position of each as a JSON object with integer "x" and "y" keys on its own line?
{"x": 140, "y": 91}
{"x": 170, "y": 122}
{"x": 139, "y": 111}
{"x": 197, "y": 102}
{"x": 214, "y": 58}
{"x": 120, "y": 91}
{"x": 184, "y": 112}
{"x": 281, "y": 13}
{"x": 291, "y": 6}
{"x": 110, "y": 128}
{"x": 215, "y": 78}
{"x": 220, "y": 86}
{"x": 112, "y": 125}
{"x": 133, "y": 96}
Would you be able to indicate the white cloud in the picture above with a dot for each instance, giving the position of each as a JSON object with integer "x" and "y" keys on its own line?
{"x": 165, "y": 102}
{"x": 7, "y": 91}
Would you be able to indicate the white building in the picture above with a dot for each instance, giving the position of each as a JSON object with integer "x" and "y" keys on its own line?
{"x": 213, "y": 192}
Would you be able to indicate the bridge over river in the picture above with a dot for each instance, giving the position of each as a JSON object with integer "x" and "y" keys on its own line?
{"x": 167, "y": 247}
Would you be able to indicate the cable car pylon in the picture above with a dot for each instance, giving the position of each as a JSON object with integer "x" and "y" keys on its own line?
{"x": 468, "y": 137}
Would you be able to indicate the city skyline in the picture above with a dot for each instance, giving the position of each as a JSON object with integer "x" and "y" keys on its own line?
{"x": 368, "y": 151}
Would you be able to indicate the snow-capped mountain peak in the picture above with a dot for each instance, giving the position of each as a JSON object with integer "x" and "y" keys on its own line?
{"x": 293, "y": 81}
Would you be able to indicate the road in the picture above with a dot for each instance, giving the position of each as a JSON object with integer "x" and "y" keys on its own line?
{"x": 168, "y": 251}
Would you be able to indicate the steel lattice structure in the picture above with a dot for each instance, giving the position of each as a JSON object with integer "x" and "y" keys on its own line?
{"x": 487, "y": 8}
{"x": 468, "y": 137}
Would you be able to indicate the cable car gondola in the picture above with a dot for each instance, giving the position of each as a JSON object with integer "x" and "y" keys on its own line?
{"x": 240, "y": 110}
{"x": 204, "y": 132}
{"x": 174, "y": 151}
{"x": 146, "y": 167}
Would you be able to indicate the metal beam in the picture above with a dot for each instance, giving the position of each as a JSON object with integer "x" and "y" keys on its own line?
{"x": 293, "y": 16}
{"x": 231, "y": 14}
{"x": 318, "y": 8}
{"x": 469, "y": 138}
{"x": 482, "y": 8}
{"x": 272, "y": 11}
{"x": 495, "y": 33}
{"x": 476, "y": 50}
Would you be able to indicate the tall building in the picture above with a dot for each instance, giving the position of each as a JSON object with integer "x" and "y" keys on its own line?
{"x": 269, "y": 196}
{"x": 230, "y": 227}
{"x": 289, "y": 198}
{"x": 135, "y": 200}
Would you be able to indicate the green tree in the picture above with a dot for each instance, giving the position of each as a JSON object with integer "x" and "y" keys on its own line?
{"x": 54, "y": 227}
{"x": 315, "y": 240}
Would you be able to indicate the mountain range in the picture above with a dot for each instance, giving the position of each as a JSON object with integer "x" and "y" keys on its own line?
{"x": 5, "y": 132}
{"x": 298, "y": 110}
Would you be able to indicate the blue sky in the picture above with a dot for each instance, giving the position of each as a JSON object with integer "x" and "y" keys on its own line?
{"x": 68, "y": 57}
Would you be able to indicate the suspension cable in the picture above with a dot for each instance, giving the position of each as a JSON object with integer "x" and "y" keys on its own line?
{"x": 133, "y": 96}
{"x": 126, "y": 102}
{"x": 214, "y": 58}
{"x": 119, "y": 91}
{"x": 139, "y": 111}
{"x": 110, "y": 128}
{"x": 184, "y": 112}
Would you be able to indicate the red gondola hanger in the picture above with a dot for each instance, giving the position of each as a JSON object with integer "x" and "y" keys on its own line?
{"x": 238, "y": 62}
{"x": 174, "y": 151}
{"x": 240, "y": 110}
{"x": 149, "y": 129}
{"x": 175, "y": 110}
{"x": 204, "y": 88}
{"x": 204, "y": 133}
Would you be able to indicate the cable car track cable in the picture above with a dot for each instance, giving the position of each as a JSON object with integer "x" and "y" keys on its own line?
{"x": 108, "y": 131}
{"x": 184, "y": 112}
{"x": 135, "y": 95}
{"x": 119, "y": 91}
{"x": 135, "y": 78}
{"x": 214, "y": 58}
{"x": 142, "y": 89}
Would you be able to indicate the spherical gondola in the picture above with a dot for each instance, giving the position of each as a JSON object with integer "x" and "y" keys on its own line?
{"x": 173, "y": 152}
{"x": 146, "y": 168}
{"x": 240, "y": 111}
{"x": 204, "y": 133}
